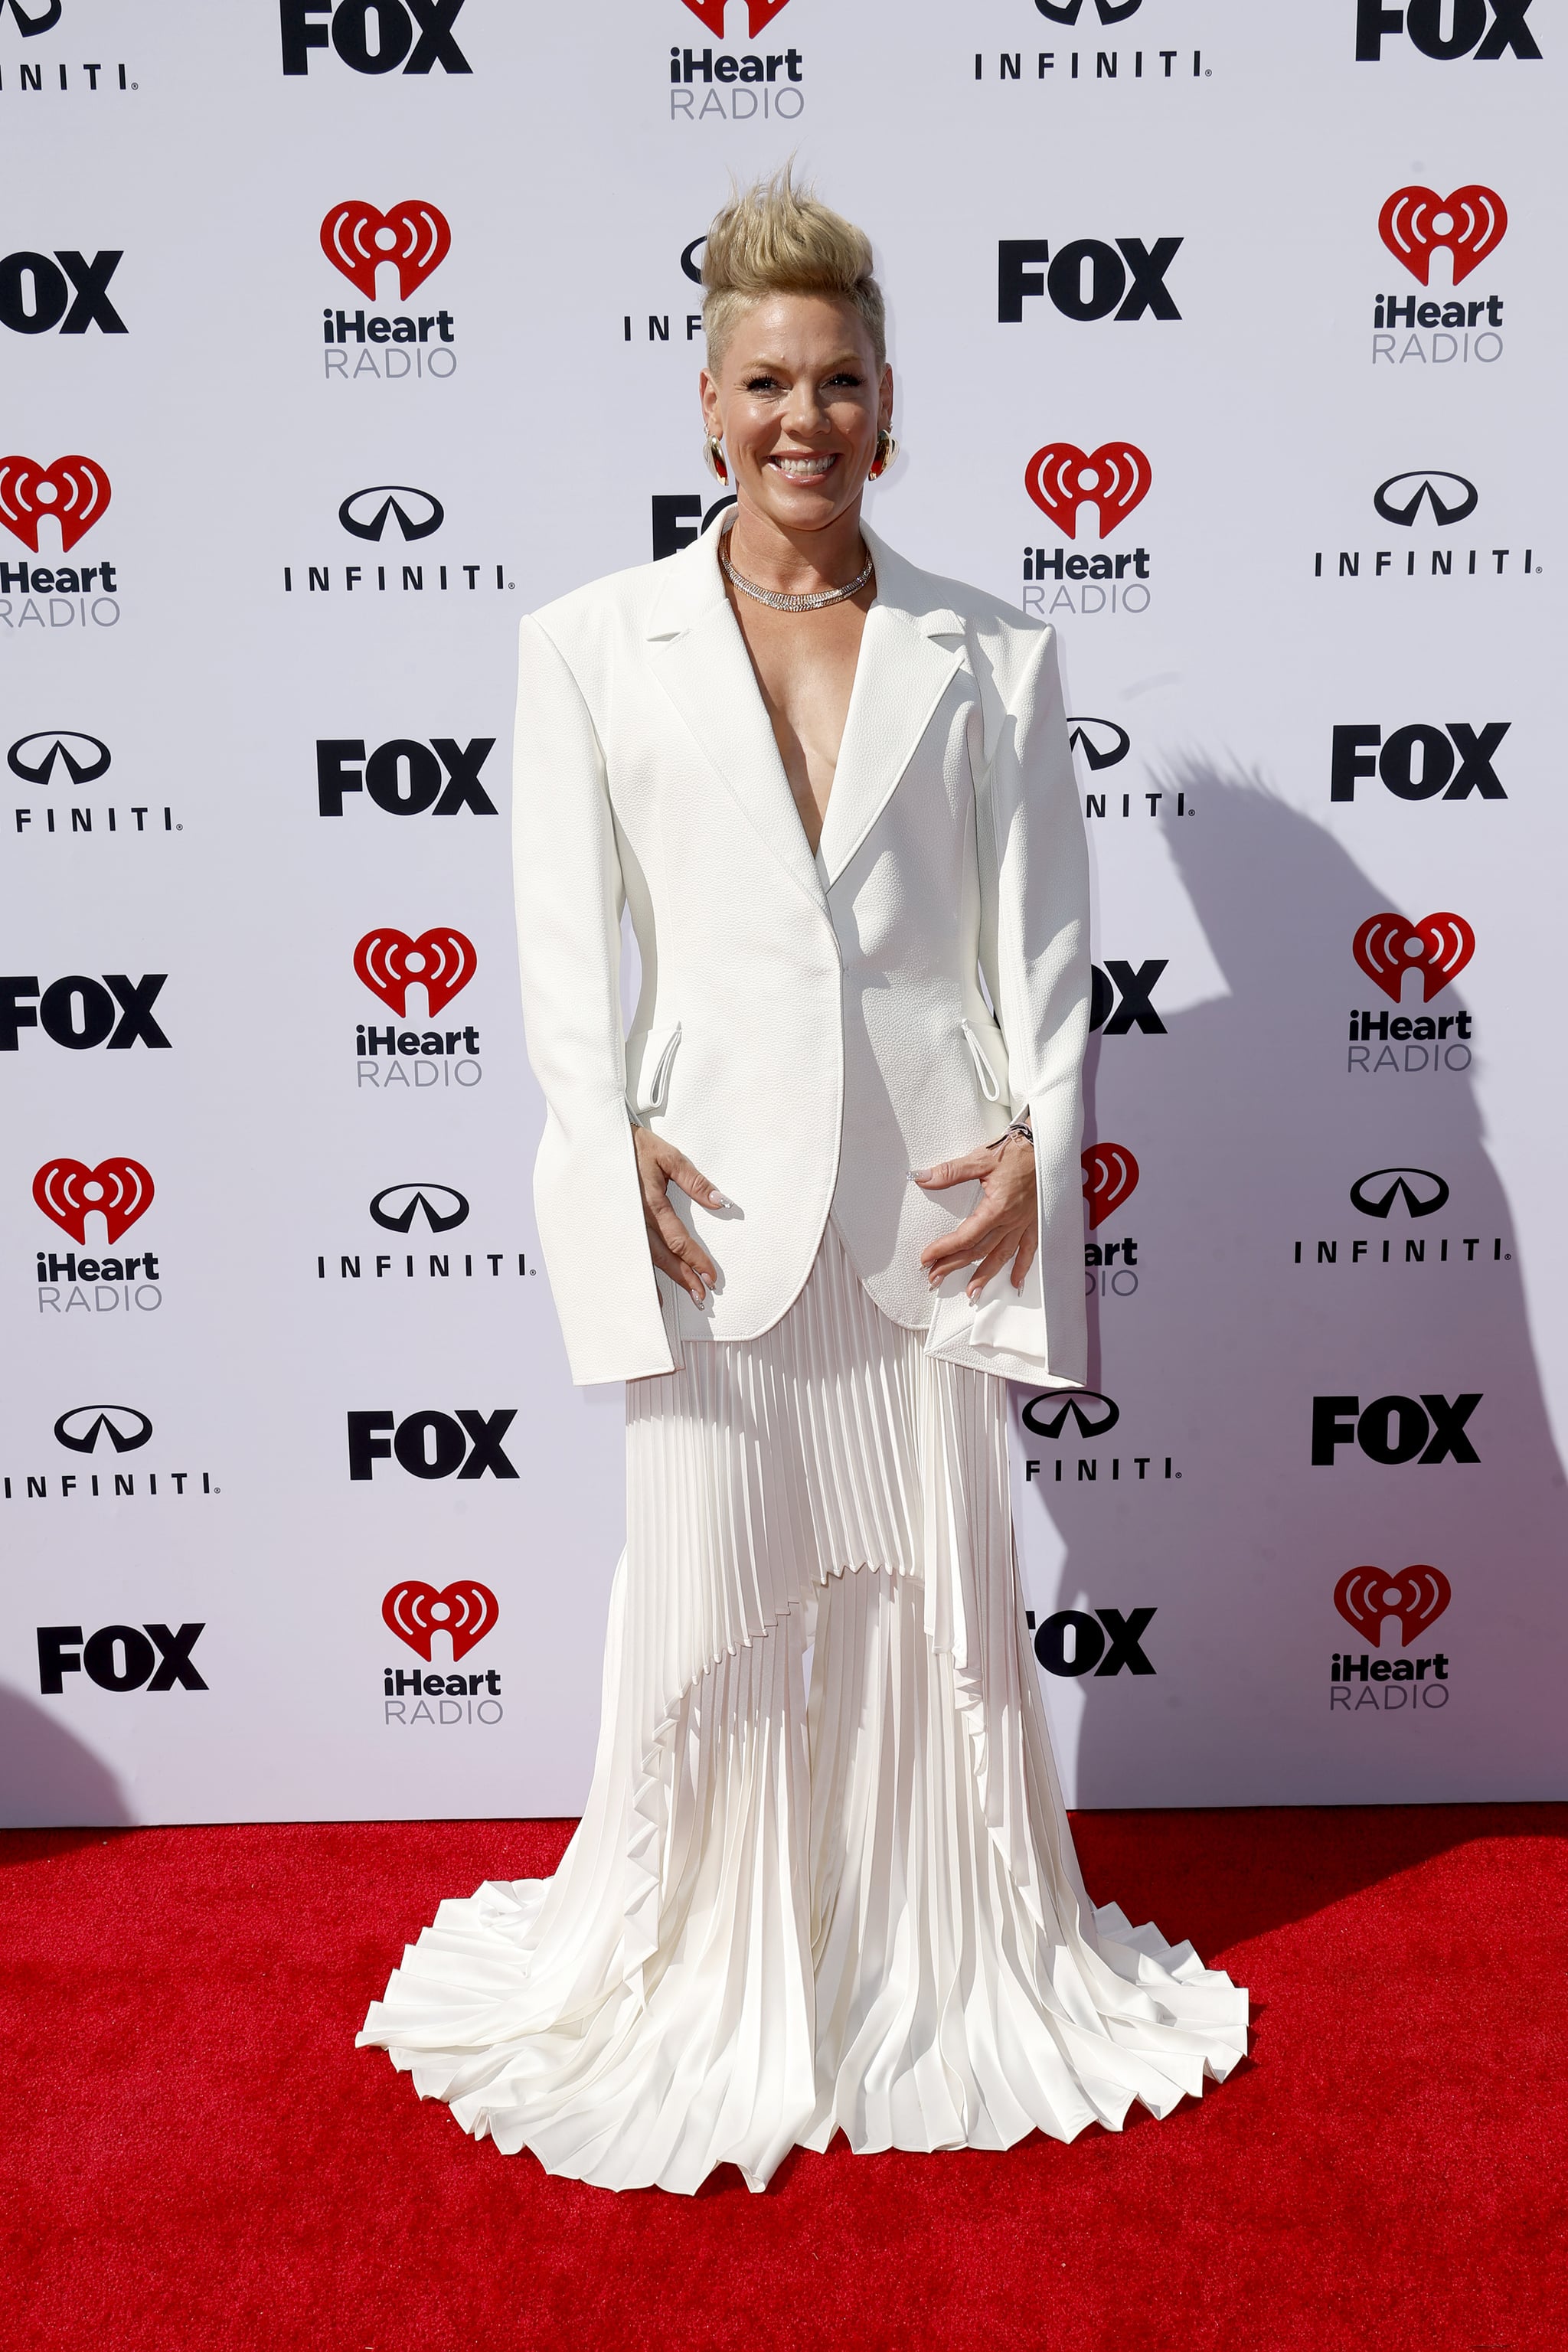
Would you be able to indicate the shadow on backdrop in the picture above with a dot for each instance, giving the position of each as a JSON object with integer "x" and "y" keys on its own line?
{"x": 48, "y": 1779}
{"x": 1250, "y": 1131}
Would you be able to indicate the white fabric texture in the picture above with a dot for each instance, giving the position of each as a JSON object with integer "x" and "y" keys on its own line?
{"x": 902, "y": 995}
{"x": 824, "y": 1879}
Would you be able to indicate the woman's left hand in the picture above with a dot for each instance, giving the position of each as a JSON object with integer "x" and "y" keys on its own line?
{"x": 1004, "y": 1223}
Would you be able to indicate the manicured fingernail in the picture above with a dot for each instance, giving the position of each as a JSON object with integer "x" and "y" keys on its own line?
{"x": 721, "y": 1202}
{"x": 919, "y": 1175}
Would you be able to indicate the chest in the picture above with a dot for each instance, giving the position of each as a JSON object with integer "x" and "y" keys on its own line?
{"x": 805, "y": 664}
{"x": 698, "y": 786}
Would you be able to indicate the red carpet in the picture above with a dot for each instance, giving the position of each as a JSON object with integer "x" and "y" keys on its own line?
{"x": 196, "y": 2157}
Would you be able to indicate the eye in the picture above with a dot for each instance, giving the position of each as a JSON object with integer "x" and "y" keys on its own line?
{"x": 761, "y": 383}
{"x": 849, "y": 376}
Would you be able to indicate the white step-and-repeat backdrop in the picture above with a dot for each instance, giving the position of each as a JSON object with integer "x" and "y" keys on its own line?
{"x": 338, "y": 333}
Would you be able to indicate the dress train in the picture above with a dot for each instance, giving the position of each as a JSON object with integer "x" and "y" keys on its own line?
{"x": 824, "y": 1879}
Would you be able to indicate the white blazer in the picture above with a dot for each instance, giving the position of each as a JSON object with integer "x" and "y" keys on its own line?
{"x": 808, "y": 1030}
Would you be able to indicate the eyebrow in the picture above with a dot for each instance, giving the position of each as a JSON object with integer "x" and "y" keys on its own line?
{"x": 844, "y": 358}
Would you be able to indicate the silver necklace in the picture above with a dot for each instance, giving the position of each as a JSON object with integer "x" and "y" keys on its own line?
{"x": 783, "y": 604}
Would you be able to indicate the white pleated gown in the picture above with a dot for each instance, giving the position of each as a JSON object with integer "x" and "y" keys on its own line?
{"x": 824, "y": 1880}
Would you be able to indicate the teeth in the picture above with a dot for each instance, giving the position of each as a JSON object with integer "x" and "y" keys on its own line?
{"x": 801, "y": 468}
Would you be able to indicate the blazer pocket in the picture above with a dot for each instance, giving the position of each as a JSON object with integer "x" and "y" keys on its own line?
{"x": 653, "y": 1093}
{"x": 989, "y": 1085}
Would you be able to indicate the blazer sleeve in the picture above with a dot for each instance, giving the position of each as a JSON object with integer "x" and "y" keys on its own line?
{"x": 1033, "y": 874}
{"x": 569, "y": 895}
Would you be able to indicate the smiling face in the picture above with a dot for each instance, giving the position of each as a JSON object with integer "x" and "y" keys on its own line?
{"x": 797, "y": 402}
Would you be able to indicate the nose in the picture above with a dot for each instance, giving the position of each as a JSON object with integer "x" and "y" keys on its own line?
{"x": 805, "y": 411}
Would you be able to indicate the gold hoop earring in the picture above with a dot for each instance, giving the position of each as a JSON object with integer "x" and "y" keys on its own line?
{"x": 714, "y": 459}
{"x": 886, "y": 450}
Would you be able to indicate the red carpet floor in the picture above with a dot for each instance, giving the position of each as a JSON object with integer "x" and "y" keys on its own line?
{"x": 195, "y": 2156}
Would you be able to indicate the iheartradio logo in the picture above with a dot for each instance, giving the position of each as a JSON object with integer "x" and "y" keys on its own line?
{"x": 416, "y": 1612}
{"x": 1110, "y": 1177}
{"x": 1438, "y": 947}
{"x": 68, "y": 1191}
{"x": 414, "y": 236}
{"x": 1417, "y": 223}
{"x": 760, "y": 15}
{"x": 1417, "y": 1596}
{"x": 75, "y": 490}
{"x": 442, "y": 960}
{"x": 1112, "y": 479}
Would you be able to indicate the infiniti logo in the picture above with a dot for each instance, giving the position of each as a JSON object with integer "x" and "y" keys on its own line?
{"x": 1066, "y": 11}
{"x": 1424, "y": 1194}
{"x": 397, "y": 1206}
{"x": 33, "y": 757}
{"x": 43, "y": 21}
{"x": 1452, "y": 498}
{"x": 84, "y": 1425}
{"x": 419, "y": 512}
{"x": 1101, "y": 742}
{"x": 1081, "y": 1405}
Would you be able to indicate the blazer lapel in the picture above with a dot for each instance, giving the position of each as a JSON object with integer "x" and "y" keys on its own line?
{"x": 904, "y": 669}
{"x": 700, "y": 658}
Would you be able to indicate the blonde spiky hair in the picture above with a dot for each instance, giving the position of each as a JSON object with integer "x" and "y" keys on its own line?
{"x": 777, "y": 238}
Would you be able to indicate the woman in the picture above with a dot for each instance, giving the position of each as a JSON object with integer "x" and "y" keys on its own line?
{"x": 815, "y": 1207}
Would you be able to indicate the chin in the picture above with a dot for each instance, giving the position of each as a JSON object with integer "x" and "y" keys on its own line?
{"x": 807, "y": 510}
{"x": 801, "y": 511}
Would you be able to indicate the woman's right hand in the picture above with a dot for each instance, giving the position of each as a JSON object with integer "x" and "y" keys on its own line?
{"x": 674, "y": 1251}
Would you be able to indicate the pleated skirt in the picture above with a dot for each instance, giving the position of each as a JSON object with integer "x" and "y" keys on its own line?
{"x": 824, "y": 1880}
